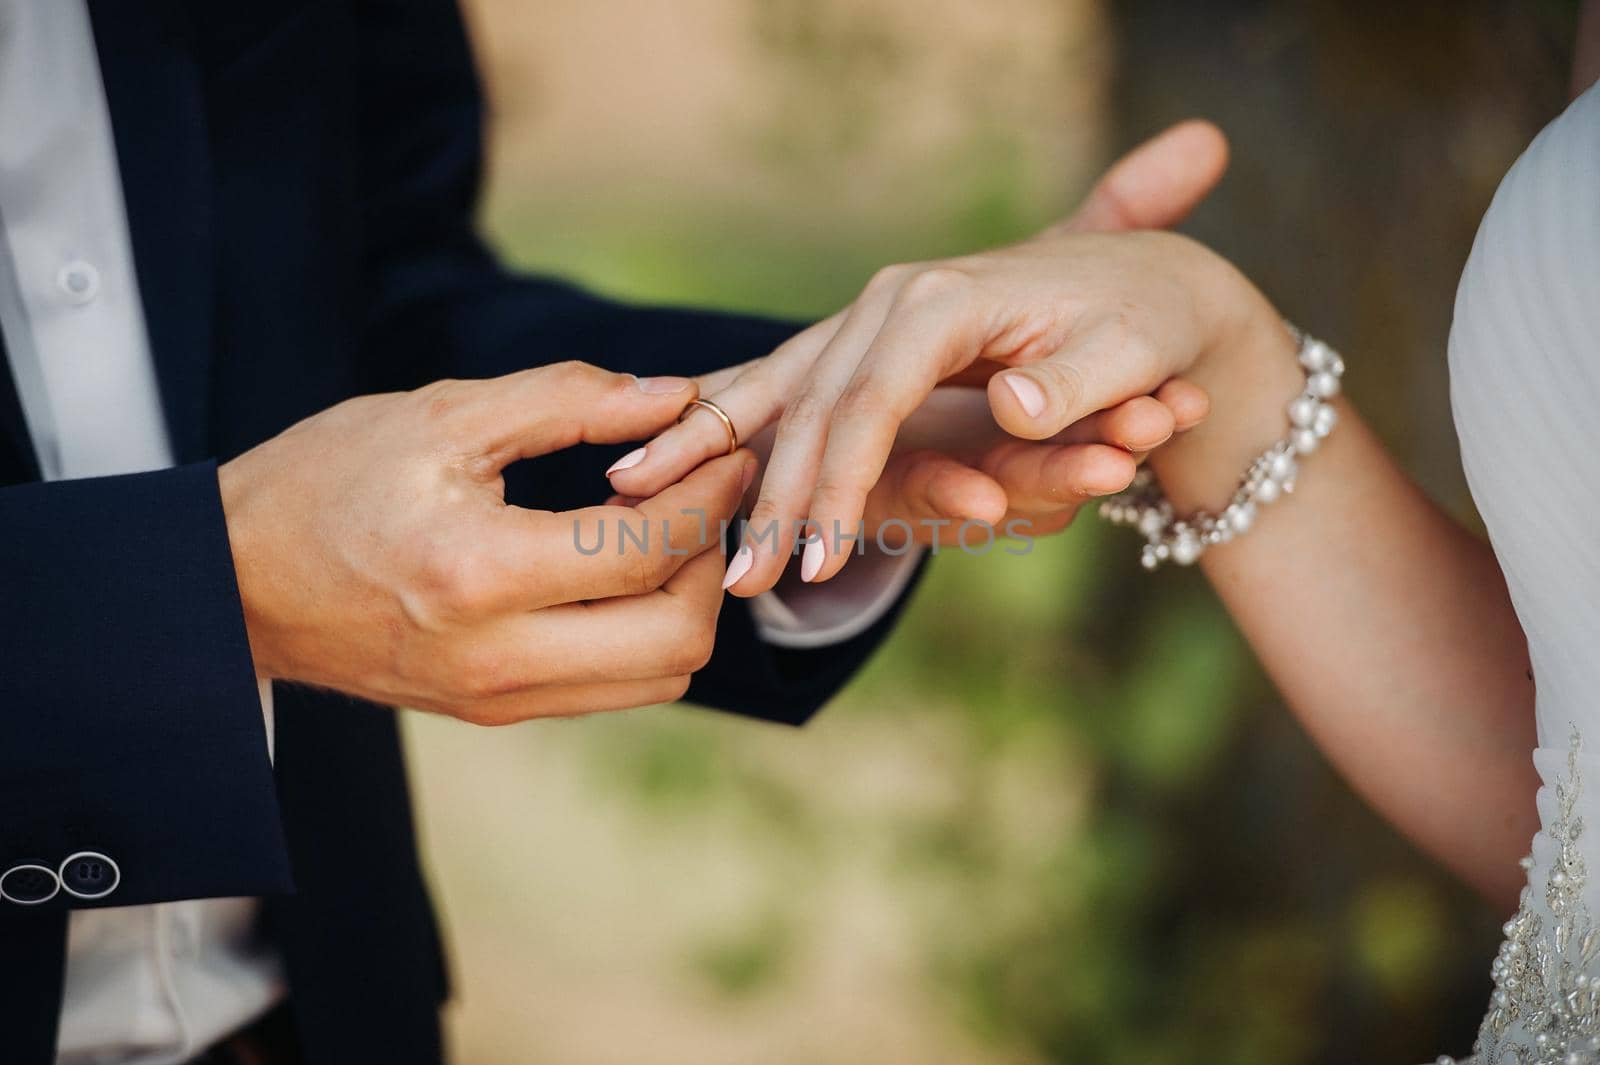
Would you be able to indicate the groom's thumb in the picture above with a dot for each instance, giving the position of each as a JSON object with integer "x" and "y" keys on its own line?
{"x": 1156, "y": 185}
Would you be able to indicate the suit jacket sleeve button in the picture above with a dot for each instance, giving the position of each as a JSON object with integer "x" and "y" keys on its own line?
{"x": 89, "y": 875}
{"x": 28, "y": 884}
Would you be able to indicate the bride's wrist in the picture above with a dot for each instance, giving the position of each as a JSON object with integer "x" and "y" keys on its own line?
{"x": 1251, "y": 373}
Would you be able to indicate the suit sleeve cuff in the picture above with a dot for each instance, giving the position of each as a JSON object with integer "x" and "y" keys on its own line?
{"x": 808, "y": 616}
{"x": 131, "y": 721}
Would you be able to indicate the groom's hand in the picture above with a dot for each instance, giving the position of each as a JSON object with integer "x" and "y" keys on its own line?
{"x": 376, "y": 554}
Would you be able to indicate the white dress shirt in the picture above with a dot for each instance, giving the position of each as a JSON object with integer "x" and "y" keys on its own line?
{"x": 161, "y": 983}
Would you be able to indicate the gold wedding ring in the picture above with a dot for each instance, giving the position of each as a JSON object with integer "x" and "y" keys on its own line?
{"x": 722, "y": 416}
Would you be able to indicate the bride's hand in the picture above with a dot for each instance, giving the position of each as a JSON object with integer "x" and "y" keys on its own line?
{"x": 1091, "y": 320}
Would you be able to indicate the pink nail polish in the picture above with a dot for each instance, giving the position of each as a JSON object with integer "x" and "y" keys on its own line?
{"x": 627, "y": 462}
{"x": 662, "y": 386}
{"x": 743, "y": 559}
{"x": 1028, "y": 393}
{"x": 811, "y": 560}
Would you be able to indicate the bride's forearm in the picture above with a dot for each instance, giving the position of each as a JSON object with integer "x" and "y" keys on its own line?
{"x": 1385, "y": 624}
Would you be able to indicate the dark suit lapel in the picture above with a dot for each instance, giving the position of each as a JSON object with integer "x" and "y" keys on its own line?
{"x": 153, "y": 88}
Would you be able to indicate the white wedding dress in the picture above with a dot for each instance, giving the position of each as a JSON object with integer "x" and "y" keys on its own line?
{"x": 1525, "y": 386}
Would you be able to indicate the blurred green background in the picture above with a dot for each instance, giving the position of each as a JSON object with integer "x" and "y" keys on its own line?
{"x": 1061, "y": 818}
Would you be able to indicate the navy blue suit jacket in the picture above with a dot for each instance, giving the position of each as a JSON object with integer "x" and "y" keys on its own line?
{"x": 300, "y": 179}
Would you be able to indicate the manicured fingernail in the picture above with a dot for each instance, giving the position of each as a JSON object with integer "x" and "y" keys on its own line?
{"x": 1027, "y": 391}
{"x": 627, "y": 462}
{"x": 811, "y": 561}
{"x": 662, "y": 386}
{"x": 743, "y": 559}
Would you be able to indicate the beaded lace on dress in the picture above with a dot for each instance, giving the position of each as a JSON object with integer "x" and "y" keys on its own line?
{"x": 1545, "y": 979}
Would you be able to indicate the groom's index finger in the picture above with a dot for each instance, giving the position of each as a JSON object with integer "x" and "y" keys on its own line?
{"x": 534, "y": 412}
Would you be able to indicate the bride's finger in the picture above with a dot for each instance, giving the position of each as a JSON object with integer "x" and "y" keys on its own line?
{"x": 1040, "y": 478}
{"x": 699, "y": 436}
{"x": 958, "y": 421}
{"x": 1189, "y": 403}
{"x": 780, "y": 513}
{"x": 1142, "y": 423}
{"x": 925, "y": 335}
{"x": 1156, "y": 185}
{"x": 717, "y": 380}
{"x": 903, "y": 364}
{"x": 921, "y": 492}
{"x": 751, "y": 395}
{"x": 1033, "y": 524}
{"x": 928, "y": 498}
{"x": 1098, "y": 369}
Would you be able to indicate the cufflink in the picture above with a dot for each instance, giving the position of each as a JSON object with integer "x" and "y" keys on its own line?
{"x": 89, "y": 875}
{"x": 29, "y": 884}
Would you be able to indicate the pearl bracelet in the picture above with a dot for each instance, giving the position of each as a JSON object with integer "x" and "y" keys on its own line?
{"x": 1270, "y": 477}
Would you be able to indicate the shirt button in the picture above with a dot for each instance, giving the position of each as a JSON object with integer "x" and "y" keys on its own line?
{"x": 79, "y": 280}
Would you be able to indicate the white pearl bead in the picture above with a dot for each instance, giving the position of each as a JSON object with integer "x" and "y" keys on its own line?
{"x": 1314, "y": 355}
{"x": 1303, "y": 411}
{"x": 1270, "y": 477}
{"x": 1323, "y": 385}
